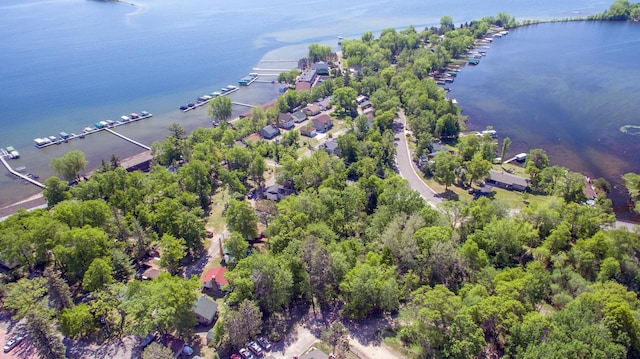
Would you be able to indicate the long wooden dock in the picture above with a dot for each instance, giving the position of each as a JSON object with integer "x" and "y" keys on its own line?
{"x": 18, "y": 174}
{"x": 92, "y": 131}
{"x": 127, "y": 139}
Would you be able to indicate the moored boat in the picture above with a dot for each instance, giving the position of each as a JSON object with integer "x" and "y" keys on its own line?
{"x": 134, "y": 115}
{"x": 12, "y": 152}
{"x": 125, "y": 118}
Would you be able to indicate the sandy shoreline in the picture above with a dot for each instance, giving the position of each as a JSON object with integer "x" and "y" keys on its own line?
{"x": 37, "y": 200}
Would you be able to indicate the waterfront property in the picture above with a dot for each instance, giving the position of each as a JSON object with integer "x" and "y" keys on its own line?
{"x": 507, "y": 181}
{"x": 64, "y": 137}
{"x": 306, "y": 80}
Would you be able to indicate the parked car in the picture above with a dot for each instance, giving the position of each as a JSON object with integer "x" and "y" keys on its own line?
{"x": 148, "y": 340}
{"x": 255, "y": 348}
{"x": 266, "y": 344}
{"x": 246, "y": 354}
{"x": 12, "y": 344}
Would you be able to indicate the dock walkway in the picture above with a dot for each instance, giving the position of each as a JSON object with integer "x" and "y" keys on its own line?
{"x": 128, "y": 139}
{"x": 242, "y": 104}
{"x": 18, "y": 174}
{"x": 91, "y": 131}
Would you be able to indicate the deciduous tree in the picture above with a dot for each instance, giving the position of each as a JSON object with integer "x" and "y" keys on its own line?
{"x": 70, "y": 165}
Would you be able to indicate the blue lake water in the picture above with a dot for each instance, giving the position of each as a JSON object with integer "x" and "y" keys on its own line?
{"x": 66, "y": 64}
{"x": 567, "y": 88}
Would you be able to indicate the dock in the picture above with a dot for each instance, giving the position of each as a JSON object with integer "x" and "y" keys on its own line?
{"x": 88, "y": 131}
{"x": 242, "y": 104}
{"x": 18, "y": 174}
{"x": 266, "y": 61}
{"x": 202, "y": 103}
{"x": 260, "y": 69}
{"x": 127, "y": 139}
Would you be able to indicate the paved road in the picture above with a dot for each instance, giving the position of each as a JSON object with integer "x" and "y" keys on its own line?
{"x": 406, "y": 165}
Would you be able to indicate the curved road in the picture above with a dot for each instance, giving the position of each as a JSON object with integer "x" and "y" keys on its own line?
{"x": 405, "y": 164}
{"x": 407, "y": 170}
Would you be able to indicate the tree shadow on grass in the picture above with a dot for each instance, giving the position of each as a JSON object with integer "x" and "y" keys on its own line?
{"x": 449, "y": 195}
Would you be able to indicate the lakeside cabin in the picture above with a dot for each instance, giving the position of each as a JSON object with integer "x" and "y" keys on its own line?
{"x": 507, "y": 181}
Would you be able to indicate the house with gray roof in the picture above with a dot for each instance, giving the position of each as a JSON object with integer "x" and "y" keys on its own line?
{"x": 508, "y": 181}
{"x": 298, "y": 116}
{"x": 269, "y": 132}
{"x": 205, "y": 310}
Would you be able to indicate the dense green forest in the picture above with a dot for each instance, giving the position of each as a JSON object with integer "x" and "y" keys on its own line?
{"x": 466, "y": 279}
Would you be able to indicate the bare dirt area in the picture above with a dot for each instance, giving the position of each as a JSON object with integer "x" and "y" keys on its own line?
{"x": 116, "y": 349}
{"x": 364, "y": 340}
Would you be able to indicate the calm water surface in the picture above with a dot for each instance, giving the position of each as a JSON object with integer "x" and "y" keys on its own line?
{"x": 566, "y": 88}
{"x": 66, "y": 64}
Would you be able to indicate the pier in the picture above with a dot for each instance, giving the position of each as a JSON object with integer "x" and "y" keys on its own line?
{"x": 266, "y": 61}
{"x": 242, "y": 104}
{"x": 18, "y": 174}
{"x": 128, "y": 139}
{"x": 90, "y": 130}
{"x": 282, "y": 70}
{"x": 202, "y": 103}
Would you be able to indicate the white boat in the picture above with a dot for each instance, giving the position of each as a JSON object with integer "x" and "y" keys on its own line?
{"x": 125, "y": 118}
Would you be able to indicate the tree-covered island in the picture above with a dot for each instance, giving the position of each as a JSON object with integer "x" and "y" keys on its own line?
{"x": 324, "y": 227}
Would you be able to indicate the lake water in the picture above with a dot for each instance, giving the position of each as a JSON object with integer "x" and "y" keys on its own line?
{"x": 66, "y": 64}
{"x": 567, "y": 88}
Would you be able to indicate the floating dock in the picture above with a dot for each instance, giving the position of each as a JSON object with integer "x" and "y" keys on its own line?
{"x": 87, "y": 131}
{"x": 18, "y": 174}
{"x": 193, "y": 106}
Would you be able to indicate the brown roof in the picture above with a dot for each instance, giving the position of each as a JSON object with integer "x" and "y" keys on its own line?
{"x": 323, "y": 118}
{"x": 301, "y": 86}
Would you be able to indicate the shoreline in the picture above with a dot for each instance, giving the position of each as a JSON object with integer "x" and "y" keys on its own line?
{"x": 37, "y": 200}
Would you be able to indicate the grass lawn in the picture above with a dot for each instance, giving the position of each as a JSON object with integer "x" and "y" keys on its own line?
{"x": 216, "y": 222}
{"x": 391, "y": 339}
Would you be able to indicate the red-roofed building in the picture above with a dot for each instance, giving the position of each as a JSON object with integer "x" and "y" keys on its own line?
{"x": 214, "y": 278}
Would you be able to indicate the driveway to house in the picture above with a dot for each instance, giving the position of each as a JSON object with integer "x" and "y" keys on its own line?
{"x": 405, "y": 164}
